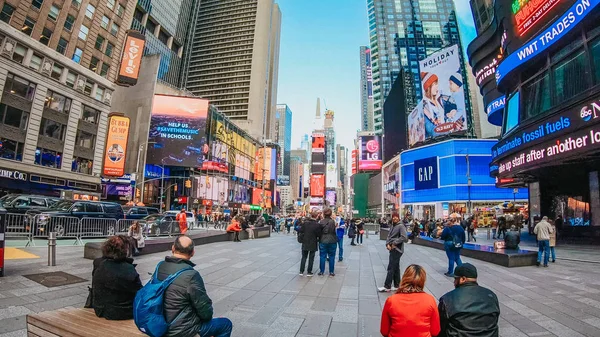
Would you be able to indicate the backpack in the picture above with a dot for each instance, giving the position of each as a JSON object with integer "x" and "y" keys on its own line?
{"x": 148, "y": 305}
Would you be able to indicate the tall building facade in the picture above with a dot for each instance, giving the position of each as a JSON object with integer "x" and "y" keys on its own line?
{"x": 366, "y": 90}
{"x": 401, "y": 34}
{"x": 58, "y": 63}
{"x": 329, "y": 137}
{"x": 283, "y": 137}
{"x": 168, "y": 27}
{"x": 234, "y": 60}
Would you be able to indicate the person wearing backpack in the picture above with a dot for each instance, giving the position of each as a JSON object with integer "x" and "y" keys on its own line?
{"x": 187, "y": 307}
{"x": 454, "y": 239}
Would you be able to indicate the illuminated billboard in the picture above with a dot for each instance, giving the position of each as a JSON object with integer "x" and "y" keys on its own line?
{"x": 116, "y": 146}
{"x": 391, "y": 182}
{"x": 528, "y": 13}
{"x": 353, "y": 164}
{"x": 257, "y": 198}
{"x": 178, "y": 131}
{"x": 212, "y": 188}
{"x": 330, "y": 198}
{"x": 332, "y": 178}
{"x": 318, "y": 142}
{"x": 443, "y": 108}
{"x": 369, "y": 156}
{"x": 131, "y": 59}
{"x": 317, "y": 185}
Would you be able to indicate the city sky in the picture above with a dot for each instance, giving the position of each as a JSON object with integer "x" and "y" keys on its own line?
{"x": 319, "y": 57}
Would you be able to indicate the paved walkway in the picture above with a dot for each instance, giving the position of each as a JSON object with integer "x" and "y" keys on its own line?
{"x": 256, "y": 284}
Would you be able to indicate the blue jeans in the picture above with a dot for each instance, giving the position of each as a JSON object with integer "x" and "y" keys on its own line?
{"x": 327, "y": 251}
{"x": 494, "y": 233}
{"x": 543, "y": 247}
{"x": 216, "y": 327}
{"x": 553, "y": 253}
{"x": 453, "y": 257}
{"x": 341, "y": 247}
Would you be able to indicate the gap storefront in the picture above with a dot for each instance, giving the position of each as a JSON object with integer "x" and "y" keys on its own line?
{"x": 452, "y": 177}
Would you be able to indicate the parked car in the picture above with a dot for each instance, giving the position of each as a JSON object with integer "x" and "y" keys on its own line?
{"x": 29, "y": 204}
{"x": 138, "y": 212}
{"x": 64, "y": 217}
{"x": 157, "y": 224}
{"x": 189, "y": 217}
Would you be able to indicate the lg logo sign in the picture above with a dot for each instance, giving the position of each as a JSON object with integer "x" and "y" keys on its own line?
{"x": 372, "y": 150}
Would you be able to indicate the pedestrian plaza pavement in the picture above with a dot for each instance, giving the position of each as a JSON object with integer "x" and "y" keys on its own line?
{"x": 256, "y": 284}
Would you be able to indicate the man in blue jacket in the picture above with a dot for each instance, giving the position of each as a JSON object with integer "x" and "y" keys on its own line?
{"x": 454, "y": 239}
{"x": 340, "y": 235}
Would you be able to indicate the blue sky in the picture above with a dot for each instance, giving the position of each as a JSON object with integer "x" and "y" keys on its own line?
{"x": 319, "y": 57}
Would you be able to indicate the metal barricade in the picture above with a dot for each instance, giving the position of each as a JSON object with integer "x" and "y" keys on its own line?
{"x": 18, "y": 225}
{"x": 97, "y": 227}
{"x": 124, "y": 224}
{"x": 63, "y": 226}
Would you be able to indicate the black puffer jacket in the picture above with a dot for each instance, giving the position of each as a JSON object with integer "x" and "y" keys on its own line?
{"x": 114, "y": 285}
{"x": 328, "y": 234}
{"x": 469, "y": 311}
{"x": 311, "y": 232}
{"x": 186, "y": 295}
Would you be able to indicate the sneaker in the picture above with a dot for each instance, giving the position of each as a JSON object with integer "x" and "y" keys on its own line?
{"x": 553, "y": 261}
{"x": 384, "y": 290}
{"x": 361, "y": 244}
{"x": 449, "y": 275}
{"x": 342, "y": 259}
{"x": 301, "y": 274}
{"x": 545, "y": 266}
{"x": 537, "y": 263}
{"x": 332, "y": 274}
{"x": 320, "y": 274}
{"x": 309, "y": 274}
{"x": 394, "y": 288}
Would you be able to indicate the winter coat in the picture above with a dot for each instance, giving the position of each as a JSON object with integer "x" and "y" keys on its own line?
{"x": 311, "y": 232}
{"x": 137, "y": 236}
{"x": 553, "y": 237}
{"x": 114, "y": 285}
{"x": 352, "y": 231}
{"x": 469, "y": 311}
{"x": 234, "y": 226}
{"x": 328, "y": 233}
{"x": 543, "y": 230}
{"x": 397, "y": 236}
{"x": 186, "y": 295}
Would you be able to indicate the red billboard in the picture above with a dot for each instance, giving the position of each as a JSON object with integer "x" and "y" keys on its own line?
{"x": 318, "y": 142}
{"x": 354, "y": 155}
{"x": 257, "y": 198}
{"x": 369, "y": 157}
{"x": 317, "y": 185}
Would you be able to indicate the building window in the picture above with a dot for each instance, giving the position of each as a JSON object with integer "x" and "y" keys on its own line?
{"x": 150, "y": 26}
{"x": 85, "y": 139}
{"x": 69, "y": 22}
{"x": 138, "y": 15}
{"x": 36, "y": 62}
{"x": 57, "y": 70}
{"x": 13, "y": 117}
{"x": 104, "y": 69}
{"x": 89, "y": 12}
{"x": 48, "y": 158}
{"x": 120, "y": 10}
{"x": 77, "y": 55}
{"x": 88, "y": 87}
{"x": 52, "y": 129}
{"x": 110, "y": 4}
{"x": 83, "y": 32}
{"x": 163, "y": 37}
{"x": 90, "y": 115}
{"x": 71, "y": 79}
{"x": 175, "y": 47}
{"x": 114, "y": 29}
{"x": 19, "y": 86}
{"x": 570, "y": 76}
{"x": 45, "y": 37}
{"x": 105, "y": 22}
{"x": 36, "y": 3}
{"x": 6, "y": 14}
{"x": 109, "y": 49}
{"x": 76, "y": 3}
{"x": 19, "y": 53}
{"x": 10, "y": 149}
{"x": 99, "y": 93}
{"x": 595, "y": 49}
{"x": 99, "y": 42}
{"x": 28, "y": 26}
{"x": 94, "y": 64}
{"x": 53, "y": 14}
{"x": 61, "y": 47}
{"x": 58, "y": 102}
{"x": 82, "y": 165}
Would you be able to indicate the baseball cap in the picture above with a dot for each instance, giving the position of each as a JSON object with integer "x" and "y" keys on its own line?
{"x": 467, "y": 270}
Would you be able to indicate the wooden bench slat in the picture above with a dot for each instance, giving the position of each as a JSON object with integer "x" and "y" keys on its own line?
{"x": 48, "y": 326}
{"x": 88, "y": 317}
{"x": 35, "y": 331}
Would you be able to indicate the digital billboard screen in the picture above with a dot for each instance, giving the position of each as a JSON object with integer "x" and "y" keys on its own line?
{"x": 317, "y": 185}
{"x": 443, "y": 109}
{"x": 116, "y": 146}
{"x": 318, "y": 142}
{"x": 178, "y": 131}
{"x": 330, "y": 197}
{"x": 391, "y": 182}
{"x": 369, "y": 157}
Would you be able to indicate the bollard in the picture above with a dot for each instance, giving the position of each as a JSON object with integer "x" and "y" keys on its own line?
{"x": 52, "y": 249}
{"x": 488, "y": 233}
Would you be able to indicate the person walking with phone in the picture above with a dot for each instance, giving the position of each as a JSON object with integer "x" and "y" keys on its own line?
{"x": 454, "y": 239}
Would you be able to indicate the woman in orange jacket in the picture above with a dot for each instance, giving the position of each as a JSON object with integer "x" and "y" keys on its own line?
{"x": 411, "y": 311}
{"x": 235, "y": 228}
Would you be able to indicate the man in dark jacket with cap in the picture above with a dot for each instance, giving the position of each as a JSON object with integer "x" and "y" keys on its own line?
{"x": 186, "y": 304}
{"x": 395, "y": 244}
{"x": 469, "y": 310}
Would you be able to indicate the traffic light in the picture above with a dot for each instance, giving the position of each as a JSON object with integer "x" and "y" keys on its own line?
{"x": 188, "y": 183}
{"x": 175, "y": 188}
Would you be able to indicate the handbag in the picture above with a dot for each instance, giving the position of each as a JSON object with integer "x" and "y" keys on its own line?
{"x": 362, "y": 231}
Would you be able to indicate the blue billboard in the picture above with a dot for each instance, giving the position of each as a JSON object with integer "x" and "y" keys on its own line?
{"x": 450, "y": 161}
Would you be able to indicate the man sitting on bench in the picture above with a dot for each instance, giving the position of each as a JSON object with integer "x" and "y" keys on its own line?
{"x": 186, "y": 304}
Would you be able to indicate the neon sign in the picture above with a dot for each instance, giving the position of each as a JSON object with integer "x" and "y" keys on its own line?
{"x": 529, "y": 12}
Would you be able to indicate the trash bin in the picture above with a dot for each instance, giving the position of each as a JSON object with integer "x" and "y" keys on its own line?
{"x": 2, "y": 238}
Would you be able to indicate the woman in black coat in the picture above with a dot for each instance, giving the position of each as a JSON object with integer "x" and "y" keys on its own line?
{"x": 115, "y": 281}
{"x": 352, "y": 232}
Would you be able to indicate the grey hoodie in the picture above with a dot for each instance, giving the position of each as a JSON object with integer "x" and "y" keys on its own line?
{"x": 397, "y": 236}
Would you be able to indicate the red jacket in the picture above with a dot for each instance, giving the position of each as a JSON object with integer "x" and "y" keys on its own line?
{"x": 414, "y": 315}
{"x": 234, "y": 227}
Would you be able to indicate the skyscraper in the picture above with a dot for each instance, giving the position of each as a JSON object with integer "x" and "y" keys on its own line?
{"x": 403, "y": 33}
{"x": 234, "y": 60}
{"x": 366, "y": 90}
{"x": 283, "y": 137}
{"x": 168, "y": 27}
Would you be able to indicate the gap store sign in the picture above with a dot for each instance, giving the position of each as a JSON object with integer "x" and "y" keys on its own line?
{"x": 438, "y": 173}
